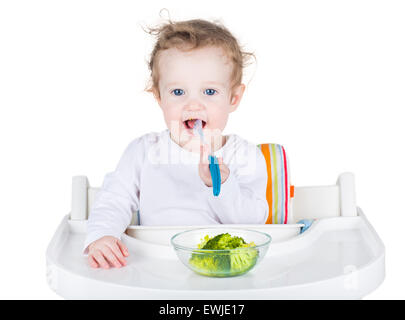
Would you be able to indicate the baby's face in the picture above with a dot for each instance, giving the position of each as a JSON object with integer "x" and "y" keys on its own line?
{"x": 196, "y": 85}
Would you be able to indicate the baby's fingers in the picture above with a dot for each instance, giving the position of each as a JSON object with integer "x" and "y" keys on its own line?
{"x": 123, "y": 248}
{"x": 92, "y": 262}
{"x": 99, "y": 258}
{"x": 118, "y": 254}
{"x": 110, "y": 256}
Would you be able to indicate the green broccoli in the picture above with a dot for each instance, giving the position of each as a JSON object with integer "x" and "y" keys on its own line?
{"x": 224, "y": 241}
{"x": 229, "y": 262}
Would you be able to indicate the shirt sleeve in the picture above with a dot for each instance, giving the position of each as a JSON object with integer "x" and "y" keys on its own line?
{"x": 118, "y": 197}
{"x": 242, "y": 199}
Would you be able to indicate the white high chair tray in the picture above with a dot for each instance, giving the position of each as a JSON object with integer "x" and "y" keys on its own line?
{"x": 336, "y": 258}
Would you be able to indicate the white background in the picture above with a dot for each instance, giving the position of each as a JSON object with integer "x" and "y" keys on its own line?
{"x": 328, "y": 84}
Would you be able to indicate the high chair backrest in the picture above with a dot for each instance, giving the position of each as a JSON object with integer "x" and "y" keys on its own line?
{"x": 287, "y": 204}
{"x": 308, "y": 202}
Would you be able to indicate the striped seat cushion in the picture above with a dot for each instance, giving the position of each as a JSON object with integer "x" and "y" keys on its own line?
{"x": 279, "y": 190}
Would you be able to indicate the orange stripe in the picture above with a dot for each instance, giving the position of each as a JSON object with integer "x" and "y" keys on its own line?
{"x": 291, "y": 191}
{"x": 269, "y": 189}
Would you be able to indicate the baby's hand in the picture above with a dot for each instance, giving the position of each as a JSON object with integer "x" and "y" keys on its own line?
{"x": 204, "y": 169}
{"x": 105, "y": 251}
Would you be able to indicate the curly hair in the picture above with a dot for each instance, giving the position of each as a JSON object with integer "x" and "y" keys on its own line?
{"x": 193, "y": 34}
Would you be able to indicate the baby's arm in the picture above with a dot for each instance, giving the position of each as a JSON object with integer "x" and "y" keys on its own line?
{"x": 113, "y": 207}
{"x": 242, "y": 198}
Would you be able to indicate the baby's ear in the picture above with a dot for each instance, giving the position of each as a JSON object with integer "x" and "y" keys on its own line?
{"x": 236, "y": 97}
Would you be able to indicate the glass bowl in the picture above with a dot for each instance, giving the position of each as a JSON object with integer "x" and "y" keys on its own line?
{"x": 220, "y": 263}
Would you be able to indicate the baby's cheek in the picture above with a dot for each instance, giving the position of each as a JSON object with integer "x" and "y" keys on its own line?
{"x": 220, "y": 120}
{"x": 172, "y": 116}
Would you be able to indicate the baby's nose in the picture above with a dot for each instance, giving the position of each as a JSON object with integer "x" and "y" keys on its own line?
{"x": 194, "y": 104}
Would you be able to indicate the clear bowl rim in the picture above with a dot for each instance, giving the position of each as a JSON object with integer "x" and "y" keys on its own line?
{"x": 177, "y": 246}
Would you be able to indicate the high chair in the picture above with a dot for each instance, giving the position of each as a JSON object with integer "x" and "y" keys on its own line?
{"x": 322, "y": 247}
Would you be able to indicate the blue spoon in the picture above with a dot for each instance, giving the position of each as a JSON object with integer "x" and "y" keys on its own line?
{"x": 213, "y": 165}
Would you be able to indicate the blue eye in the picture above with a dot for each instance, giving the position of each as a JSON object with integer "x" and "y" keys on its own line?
{"x": 178, "y": 92}
{"x": 210, "y": 92}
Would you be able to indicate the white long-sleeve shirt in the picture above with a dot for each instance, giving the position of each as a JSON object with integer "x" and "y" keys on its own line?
{"x": 160, "y": 179}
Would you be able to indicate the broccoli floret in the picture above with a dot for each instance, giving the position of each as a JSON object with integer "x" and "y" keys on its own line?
{"x": 236, "y": 242}
{"x": 218, "y": 242}
{"x": 225, "y": 263}
{"x": 224, "y": 241}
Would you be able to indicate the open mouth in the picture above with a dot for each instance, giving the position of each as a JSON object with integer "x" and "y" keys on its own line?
{"x": 189, "y": 124}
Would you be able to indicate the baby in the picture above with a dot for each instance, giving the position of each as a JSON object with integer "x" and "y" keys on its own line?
{"x": 196, "y": 73}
